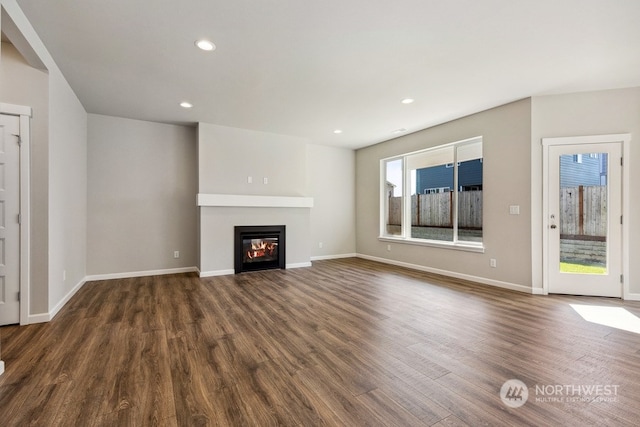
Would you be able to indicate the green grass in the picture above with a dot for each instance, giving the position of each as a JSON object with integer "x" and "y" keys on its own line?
{"x": 566, "y": 267}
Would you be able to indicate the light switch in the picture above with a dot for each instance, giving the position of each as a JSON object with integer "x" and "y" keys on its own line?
{"x": 514, "y": 210}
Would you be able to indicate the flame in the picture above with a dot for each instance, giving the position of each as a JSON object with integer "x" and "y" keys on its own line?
{"x": 261, "y": 248}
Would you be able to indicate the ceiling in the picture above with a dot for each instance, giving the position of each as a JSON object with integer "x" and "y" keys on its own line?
{"x": 307, "y": 68}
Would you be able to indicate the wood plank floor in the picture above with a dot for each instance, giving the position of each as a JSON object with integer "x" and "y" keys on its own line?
{"x": 344, "y": 343}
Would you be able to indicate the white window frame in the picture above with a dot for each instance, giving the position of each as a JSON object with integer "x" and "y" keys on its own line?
{"x": 405, "y": 235}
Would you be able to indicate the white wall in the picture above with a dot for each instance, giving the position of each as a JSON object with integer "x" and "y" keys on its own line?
{"x": 217, "y": 225}
{"x": 67, "y": 192}
{"x": 142, "y": 185}
{"x": 506, "y": 133}
{"x": 227, "y": 156}
{"x": 24, "y": 85}
{"x": 579, "y": 114}
{"x": 58, "y": 191}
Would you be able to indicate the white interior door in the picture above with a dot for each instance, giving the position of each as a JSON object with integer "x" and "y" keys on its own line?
{"x": 9, "y": 223}
{"x": 584, "y": 215}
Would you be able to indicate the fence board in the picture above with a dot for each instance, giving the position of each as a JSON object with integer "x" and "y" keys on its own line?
{"x": 470, "y": 209}
{"x": 593, "y": 220}
{"x": 434, "y": 210}
{"x": 395, "y": 211}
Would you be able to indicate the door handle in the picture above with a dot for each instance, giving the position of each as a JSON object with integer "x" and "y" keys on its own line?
{"x": 553, "y": 226}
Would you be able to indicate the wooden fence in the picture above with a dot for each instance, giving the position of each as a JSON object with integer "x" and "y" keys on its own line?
{"x": 434, "y": 210}
{"x": 583, "y": 211}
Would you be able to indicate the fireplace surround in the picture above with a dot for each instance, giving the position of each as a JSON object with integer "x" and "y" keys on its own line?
{"x": 259, "y": 247}
{"x": 220, "y": 213}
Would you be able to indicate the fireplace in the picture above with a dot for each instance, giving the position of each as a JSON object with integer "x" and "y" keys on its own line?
{"x": 259, "y": 247}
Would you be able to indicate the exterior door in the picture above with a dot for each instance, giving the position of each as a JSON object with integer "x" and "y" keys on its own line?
{"x": 9, "y": 222}
{"x": 584, "y": 216}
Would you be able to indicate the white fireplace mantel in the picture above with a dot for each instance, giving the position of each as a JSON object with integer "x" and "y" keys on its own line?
{"x": 241, "y": 200}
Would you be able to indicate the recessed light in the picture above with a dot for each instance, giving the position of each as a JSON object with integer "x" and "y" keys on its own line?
{"x": 337, "y": 131}
{"x": 401, "y": 130}
{"x": 205, "y": 45}
{"x": 185, "y": 104}
{"x": 407, "y": 100}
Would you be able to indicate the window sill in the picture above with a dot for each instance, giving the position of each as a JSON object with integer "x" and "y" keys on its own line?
{"x": 468, "y": 247}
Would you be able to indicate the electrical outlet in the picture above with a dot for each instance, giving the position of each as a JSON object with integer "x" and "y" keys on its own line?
{"x": 389, "y": 248}
{"x": 265, "y": 180}
{"x": 249, "y": 180}
{"x": 493, "y": 263}
{"x": 320, "y": 245}
{"x": 64, "y": 275}
{"x": 176, "y": 254}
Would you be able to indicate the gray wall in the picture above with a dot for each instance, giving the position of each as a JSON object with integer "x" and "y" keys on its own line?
{"x": 331, "y": 181}
{"x": 227, "y": 156}
{"x": 217, "y": 225}
{"x": 24, "y": 85}
{"x": 58, "y": 172}
{"x": 67, "y": 191}
{"x": 588, "y": 113}
{"x": 142, "y": 186}
{"x": 506, "y": 132}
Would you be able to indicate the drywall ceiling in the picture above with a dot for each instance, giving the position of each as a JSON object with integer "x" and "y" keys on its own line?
{"x": 305, "y": 68}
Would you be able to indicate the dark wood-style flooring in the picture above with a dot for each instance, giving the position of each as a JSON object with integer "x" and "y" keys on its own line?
{"x": 344, "y": 343}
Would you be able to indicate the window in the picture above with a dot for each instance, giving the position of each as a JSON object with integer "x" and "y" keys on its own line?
{"x": 392, "y": 198}
{"x": 434, "y": 196}
{"x": 436, "y": 190}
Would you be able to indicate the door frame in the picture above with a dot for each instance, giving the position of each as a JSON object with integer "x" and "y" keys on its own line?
{"x": 624, "y": 139}
{"x": 25, "y": 114}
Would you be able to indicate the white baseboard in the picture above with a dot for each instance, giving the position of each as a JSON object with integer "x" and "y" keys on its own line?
{"x": 38, "y": 318}
{"x": 67, "y": 297}
{"x": 1, "y": 367}
{"x": 632, "y": 297}
{"x": 46, "y": 317}
{"x": 481, "y": 280}
{"x": 214, "y": 273}
{"x": 131, "y": 274}
{"x": 299, "y": 265}
{"x": 338, "y": 256}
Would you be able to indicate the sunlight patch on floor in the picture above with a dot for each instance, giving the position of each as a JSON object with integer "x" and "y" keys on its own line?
{"x": 614, "y": 317}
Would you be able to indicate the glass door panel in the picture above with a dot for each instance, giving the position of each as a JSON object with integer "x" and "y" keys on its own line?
{"x": 584, "y": 231}
{"x": 583, "y": 213}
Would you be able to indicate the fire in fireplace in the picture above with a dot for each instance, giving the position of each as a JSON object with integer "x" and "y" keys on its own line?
{"x": 260, "y": 250}
{"x": 259, "y": 247}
